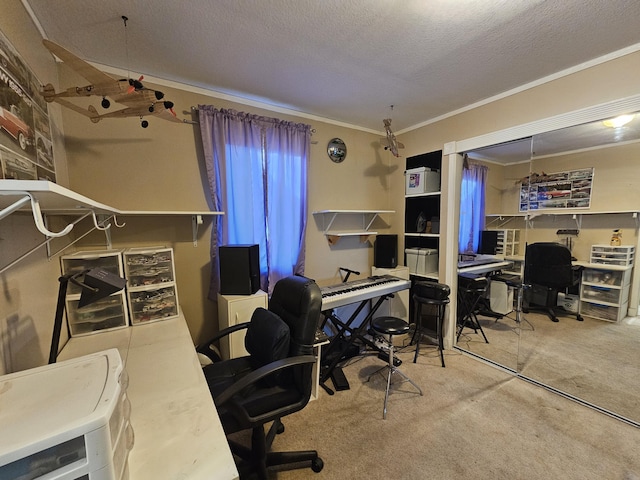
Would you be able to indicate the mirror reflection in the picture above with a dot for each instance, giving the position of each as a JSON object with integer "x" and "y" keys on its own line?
{"x": 575, "y": 190}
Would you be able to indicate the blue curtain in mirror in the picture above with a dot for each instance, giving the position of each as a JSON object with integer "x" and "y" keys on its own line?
{"x": 257, "y": 173}
{"x": 472, "y": 207}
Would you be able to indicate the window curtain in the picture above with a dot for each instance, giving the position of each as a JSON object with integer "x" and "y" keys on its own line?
{"x": 257, "y": 174}
{"x": 472, "y": 207}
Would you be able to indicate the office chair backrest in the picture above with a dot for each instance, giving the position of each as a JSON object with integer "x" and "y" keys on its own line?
{"x": 548, "y": 264}
{"x": 297, "y": 300}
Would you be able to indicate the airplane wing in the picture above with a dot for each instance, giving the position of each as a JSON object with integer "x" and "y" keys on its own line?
{"x": 160, "y": 112}
{"x": 85, "y": 69}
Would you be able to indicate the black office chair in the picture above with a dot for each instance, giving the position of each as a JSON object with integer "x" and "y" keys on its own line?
{"x": 274, "y": 380}
{"x": 548, "y": 270}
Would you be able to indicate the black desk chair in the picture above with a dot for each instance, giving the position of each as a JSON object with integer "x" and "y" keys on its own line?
{"x": 471, "y": 290}
{"x": 274, "y": 380}
{"x": 547, "y": 271}
{"x": 436, "y": 297}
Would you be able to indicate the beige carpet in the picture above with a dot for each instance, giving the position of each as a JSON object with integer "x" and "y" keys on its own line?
{"x": 594, "y": 360}
{"x": 473, "y": 422}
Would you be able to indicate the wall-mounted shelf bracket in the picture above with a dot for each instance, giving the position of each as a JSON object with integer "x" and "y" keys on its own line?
{"x": 578, "y": 219}
{"x": 39, "y": 221}
{"x": 196, "y": 221}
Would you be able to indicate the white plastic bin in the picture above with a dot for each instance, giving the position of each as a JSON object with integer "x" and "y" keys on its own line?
{"x": 422, "y": 261}
{"x": 421, "y": 180}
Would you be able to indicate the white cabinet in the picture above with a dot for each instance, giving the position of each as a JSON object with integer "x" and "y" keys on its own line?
{"x": 604, "y": 291}
{"x": 235, "y": 309}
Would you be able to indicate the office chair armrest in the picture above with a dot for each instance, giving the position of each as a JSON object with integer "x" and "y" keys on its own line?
{"x": 204, "y": 348}
{"x": 260, "y": 373}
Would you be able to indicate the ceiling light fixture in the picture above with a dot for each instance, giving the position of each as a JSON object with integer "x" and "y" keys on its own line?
{"x": 618, "y": 121}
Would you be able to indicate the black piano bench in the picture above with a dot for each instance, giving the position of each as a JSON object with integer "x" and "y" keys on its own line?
{"x": 390, "y": 326}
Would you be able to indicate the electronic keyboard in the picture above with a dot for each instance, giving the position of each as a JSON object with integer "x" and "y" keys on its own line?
{"x": 342, "y": 294}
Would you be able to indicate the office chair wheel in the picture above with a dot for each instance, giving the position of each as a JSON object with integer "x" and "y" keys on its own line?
{"x": 317, "y": 465}
{"x": 280, "y": 429}
{"x": 579, "y": 318}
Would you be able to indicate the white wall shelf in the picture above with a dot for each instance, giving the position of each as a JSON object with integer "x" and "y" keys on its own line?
{"x": 46, "y": 198}
{"x": 366, "y": 217}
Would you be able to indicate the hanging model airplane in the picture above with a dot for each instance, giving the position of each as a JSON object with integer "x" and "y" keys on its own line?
{"x": 390, "y": 142}
{"x": 138, "y": 100}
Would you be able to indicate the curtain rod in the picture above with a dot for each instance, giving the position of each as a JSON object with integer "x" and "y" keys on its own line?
{"x": 193, "y": 109}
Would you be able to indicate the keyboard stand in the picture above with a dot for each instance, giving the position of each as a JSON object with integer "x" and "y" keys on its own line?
{"x": 341, "y": 342}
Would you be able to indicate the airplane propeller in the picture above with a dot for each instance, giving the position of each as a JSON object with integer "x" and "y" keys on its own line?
{"x": 135, "y": 85}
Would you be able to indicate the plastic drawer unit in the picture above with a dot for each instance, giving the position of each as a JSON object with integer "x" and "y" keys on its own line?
{"x": 67, "y": 421}
{"x": 106, "y": 314}
{"x": 151, "y": 288}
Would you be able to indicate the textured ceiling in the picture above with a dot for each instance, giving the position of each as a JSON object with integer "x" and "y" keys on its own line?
{"x": 345, "y": 60}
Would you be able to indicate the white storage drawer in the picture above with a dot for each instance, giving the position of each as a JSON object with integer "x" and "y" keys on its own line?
{"x": 608, "y": 255}
{"x": 603, "y": 312}
{"x": 599, "y": 294}
{"x": 151, "y": 304}
{"x": 616, "y": 278}
{"x": 109, "y": 260}
{"x": 149, "y": 266}
{"x": 106, "y": 314}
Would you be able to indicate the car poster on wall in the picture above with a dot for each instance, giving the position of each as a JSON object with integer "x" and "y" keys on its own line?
{"x": 26, "y": 151}
{"x": 570, "y": 189}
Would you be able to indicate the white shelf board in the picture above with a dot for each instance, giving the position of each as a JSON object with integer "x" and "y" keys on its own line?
{"x": 353, "y": 211}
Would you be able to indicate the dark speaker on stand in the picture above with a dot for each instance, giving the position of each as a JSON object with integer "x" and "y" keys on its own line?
{"x": 239, "y": 269}
{"x": 385, "y": 251}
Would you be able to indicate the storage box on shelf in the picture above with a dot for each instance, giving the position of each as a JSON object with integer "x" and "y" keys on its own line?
{"x": 609, "y": 255}
{"x": 106, "y": 314}
{"x": 604, "y": 292}
{"x": 422, "y": 261}
{"x": 421, "y": 180}
{"x": 151, "y": 287}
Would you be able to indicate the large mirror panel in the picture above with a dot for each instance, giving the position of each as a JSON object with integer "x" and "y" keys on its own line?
{"x": 577, "y": 187}
{"x": 594, "y": 359}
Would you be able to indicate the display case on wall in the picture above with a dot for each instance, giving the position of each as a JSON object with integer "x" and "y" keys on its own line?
{"x": 151, "y": 286}
{"x": 106, "y": 314}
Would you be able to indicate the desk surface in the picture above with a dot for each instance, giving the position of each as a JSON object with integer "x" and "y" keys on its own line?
{"x": 178, "y": 434}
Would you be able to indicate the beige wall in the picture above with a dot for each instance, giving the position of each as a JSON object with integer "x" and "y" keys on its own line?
{"x": 118, "y": 163}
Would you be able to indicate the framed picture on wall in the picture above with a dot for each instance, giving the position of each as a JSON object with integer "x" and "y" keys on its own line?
{"x": 560, "y": 190}
{"x": 26, "y": 151}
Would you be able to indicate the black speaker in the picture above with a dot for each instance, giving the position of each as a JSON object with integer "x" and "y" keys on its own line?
{"x": 239, "y": 269}
{"x": 385, "y": 251}
{"x": 488, "y": 242}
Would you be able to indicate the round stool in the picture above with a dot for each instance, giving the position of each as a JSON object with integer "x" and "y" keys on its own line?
{"x": 390, "y": 326}
{"x": 437, "y": 296}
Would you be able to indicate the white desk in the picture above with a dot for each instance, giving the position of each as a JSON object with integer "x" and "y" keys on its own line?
{"x": 178, "y": 434}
